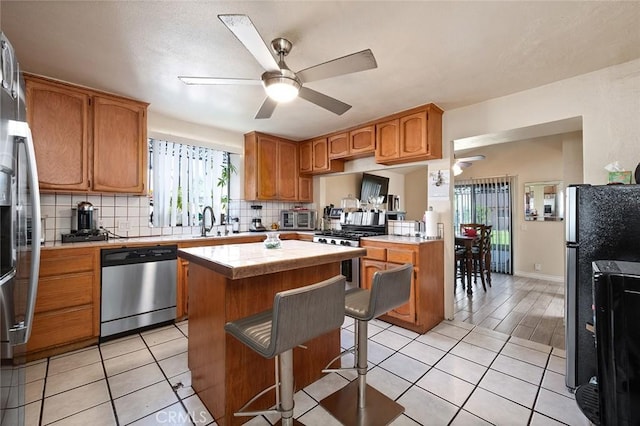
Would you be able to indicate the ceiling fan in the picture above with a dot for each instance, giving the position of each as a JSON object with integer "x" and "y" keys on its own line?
{"x": 280, "y": 83}
{"x": 464, "y": 162}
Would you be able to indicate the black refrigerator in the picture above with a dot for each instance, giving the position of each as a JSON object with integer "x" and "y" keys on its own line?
{"x": 615, "y": 399}
{"x": 602, "y": 222}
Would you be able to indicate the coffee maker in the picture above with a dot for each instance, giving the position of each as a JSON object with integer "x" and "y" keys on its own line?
{"x": 83, "y": 225}
{"x": 83, "y": 218}
{"x": 256, "y": 220}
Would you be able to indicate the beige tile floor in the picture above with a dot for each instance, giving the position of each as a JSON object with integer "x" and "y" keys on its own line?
{"x": 523, "y": 307}
{"x": 457, "y": 374}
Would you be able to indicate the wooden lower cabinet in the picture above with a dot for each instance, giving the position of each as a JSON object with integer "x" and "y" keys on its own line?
{"x": 182, "y": 295}
{"x": 67, "y": 313}
{"x": 425, "y": 308}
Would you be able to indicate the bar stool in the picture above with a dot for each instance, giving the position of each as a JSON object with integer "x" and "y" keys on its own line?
{"x": 297, "y": 316}
{"x": 358, "y": 403}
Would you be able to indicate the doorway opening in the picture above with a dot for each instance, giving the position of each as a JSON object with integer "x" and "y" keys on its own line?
{"x": 489, "y": 201}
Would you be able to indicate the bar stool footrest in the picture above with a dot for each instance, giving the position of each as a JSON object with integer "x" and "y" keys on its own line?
{"x": 295, "y": 423}
{"x": 379, "y": 411}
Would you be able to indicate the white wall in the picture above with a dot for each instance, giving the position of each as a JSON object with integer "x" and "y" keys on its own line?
{"x": 415, "y": 193}
{"x": 608, "y": 101}
{"x": 551, "y": 158}
{"x": 161, "y": 126}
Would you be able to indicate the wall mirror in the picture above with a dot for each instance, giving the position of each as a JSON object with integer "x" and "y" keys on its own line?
{"x": 543, "y": 201}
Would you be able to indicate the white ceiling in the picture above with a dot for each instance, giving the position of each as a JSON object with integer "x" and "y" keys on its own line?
{"x": 450, "y": 53}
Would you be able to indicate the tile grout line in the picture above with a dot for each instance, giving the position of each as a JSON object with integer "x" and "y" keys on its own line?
{"x": 106, "y": 379}
{"x": 415, "y": 383}
{"x": 44, "y": 388}
{"x": 180, "y": 401}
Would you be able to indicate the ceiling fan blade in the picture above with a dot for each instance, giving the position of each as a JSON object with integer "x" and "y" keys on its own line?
{"x": 355, "y": 62}
{"x": 267, "y": 108}
{"x": 214, "y": 80}
{"x": 324, "y": 101}
{"x": 242, "y": 27}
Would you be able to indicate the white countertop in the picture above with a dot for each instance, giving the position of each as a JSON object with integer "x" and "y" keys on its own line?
{"x": 162, "y": 239}
{"x": 253, "y": 259}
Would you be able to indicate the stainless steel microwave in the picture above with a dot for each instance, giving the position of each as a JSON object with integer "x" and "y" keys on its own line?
{"x": 298, "y": 219}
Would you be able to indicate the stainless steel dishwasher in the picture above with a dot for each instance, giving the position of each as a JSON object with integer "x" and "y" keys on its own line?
{"x": 138, "y": 288}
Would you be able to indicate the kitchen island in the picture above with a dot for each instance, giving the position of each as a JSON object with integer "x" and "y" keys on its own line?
{"x": 233, "y": 281}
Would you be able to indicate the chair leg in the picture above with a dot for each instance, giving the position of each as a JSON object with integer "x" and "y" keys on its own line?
{"x": 361, "y": 354}
{"x": 359, "y": 404}
{"x": 480, "y": 270}
{"x": 286, "y": 387}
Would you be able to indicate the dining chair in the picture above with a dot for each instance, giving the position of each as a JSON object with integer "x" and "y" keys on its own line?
{"x": 481, "y": 252}
{"x": 460, "y": 267}
{"x": 471, "y": 229}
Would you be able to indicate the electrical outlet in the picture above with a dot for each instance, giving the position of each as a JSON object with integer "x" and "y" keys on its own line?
{"x": 123, "y": 226}
{"x": 537, "y": 267}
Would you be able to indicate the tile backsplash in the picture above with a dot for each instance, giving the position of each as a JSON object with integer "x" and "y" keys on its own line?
{"x": 128, "y": 215}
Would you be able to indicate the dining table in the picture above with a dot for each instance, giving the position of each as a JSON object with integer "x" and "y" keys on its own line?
{"x": 467, "y": 242}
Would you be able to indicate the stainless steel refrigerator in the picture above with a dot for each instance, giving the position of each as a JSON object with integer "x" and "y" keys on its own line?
{"x": 602, "y": 223}
{"x": 20, "y": 230}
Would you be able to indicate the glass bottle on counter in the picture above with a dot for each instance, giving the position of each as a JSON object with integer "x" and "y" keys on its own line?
{"x": 272, "y": 241}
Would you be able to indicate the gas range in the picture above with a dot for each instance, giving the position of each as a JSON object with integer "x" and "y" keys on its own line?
{"x": 344, "y": 237}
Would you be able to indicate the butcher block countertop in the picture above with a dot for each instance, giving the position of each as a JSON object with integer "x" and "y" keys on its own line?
{"x": 237, "y": 261}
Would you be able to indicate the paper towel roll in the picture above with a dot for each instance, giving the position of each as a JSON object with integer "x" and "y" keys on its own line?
{"x": 430, "y": 224}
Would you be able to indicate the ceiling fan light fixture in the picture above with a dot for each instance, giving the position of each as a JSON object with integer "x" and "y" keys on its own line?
{"x": 281, "y": 89}
{"x": 457, "y": 170}
{"x": 281, "y": 86}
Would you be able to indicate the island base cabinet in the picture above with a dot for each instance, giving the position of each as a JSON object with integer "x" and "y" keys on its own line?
{"x": 226, "y": 373}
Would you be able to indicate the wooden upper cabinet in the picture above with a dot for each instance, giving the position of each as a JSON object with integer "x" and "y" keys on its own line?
{"x": 59, "y": 120}
{"x": 314, "y": 158}
{"x": 288, "y": 171}
{"x": 306, "y": 157}
{"x": 339, "y": 145}
{"x": 267, "y": 168}
{"x": 387, "y": 141}
{"x": 85, "y": 140}
{"x": 362, "y": 141}
{"x": 119, "y": 156}
{"x": 305, "y": 189}
{"x": 320, "y": 155}
{"x": 413, "y": 136}
{"x": 271, "y": 168}
{"x": 353, "y": 144}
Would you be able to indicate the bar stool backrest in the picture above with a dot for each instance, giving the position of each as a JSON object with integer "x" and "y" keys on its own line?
{"x": 304, "y": 313}
{"x": 390, "y": 288}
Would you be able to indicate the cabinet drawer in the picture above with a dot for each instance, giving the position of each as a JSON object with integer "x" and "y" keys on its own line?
{"x": 65, "y": 263}
{"x": 401, "y": 256}
{"x": 376, "y": 253}
{"x": 64, "y": 291}
{"x": 53, "y": 329}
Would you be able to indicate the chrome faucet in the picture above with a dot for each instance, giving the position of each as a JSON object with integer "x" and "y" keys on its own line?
{"x": 203, "y": 228}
